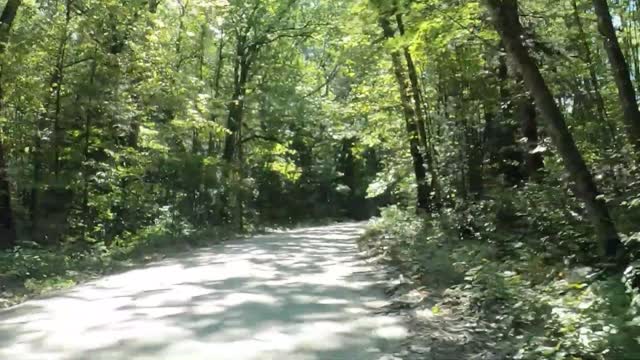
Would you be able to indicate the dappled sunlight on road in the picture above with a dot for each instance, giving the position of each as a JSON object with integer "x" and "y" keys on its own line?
{"x": 303, "y": 294}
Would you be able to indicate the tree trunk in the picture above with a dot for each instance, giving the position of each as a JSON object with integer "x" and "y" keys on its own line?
{"x": 424, "y": 191}
{"x": 507, "y": 22}
{"x": 7, "y": 222}
{"x": 474, "y": 159}
{"x": 587, "y": 56}
{"x": 233, "y": 145}
{"x": 415, "y": 89}
{"x": 38, "y": 197}
{"x": 34, "y": 198}
{"x": 621, "y": 74}
{"x": 89, "y": 115}
{"x": 7, "y": 227}
{"x": 533, "y": 160}
{"x": 58, "y": 83}
{"x": 636, "y": 48}
{"x": 212, "y": 145}
{"x": 219, "y": 64}
{"x": 509, "y": 154}
{"x": 181, "y": 28}
{"x": 236, "y": 105}
{"x": 421, "y": 123}
{"x": 6, "y": 21}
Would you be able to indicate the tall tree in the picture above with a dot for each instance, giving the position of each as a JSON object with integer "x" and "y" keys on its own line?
{"x": 7, "y": 222}
{"x": 506, "y": 20}
{"x": 621, "y": 73}
{"x": 419, "y": 106}
{"x": 587, "y": 56}
{"x": 419, "y": 164}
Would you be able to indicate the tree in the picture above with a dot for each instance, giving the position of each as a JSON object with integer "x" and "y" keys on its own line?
{"x": 621, "y": 73}
{"x": 419, "y": 165}
{"x": 534, "y": 161}
{"x": 506, "y": 20}
{"x": 7, "y": 222}
{"x": 587, "y": 55}
{"x": 419, "y": 106}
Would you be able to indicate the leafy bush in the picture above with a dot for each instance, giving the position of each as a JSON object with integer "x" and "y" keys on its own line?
{"x": 400, "y": 236}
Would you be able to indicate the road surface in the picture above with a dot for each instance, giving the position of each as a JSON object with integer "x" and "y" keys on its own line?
{"x": 301, "y": 295}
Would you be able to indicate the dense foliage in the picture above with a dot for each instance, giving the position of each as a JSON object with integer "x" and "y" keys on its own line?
{"x": 118, "y": 116}
{"x": 530, "y": 116}
{"x": 511, "y": 128}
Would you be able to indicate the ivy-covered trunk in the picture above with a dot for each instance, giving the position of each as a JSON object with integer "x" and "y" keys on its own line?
{"x": 507, "y": 22}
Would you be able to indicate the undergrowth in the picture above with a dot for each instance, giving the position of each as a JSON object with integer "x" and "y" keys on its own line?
{"x": 30, "y": 269}
{"x": 544, "y": 305}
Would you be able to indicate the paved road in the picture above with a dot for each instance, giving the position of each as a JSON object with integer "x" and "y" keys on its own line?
{"x": 300, "y": 295}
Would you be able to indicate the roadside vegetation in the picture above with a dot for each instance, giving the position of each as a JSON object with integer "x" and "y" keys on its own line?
{"x": 30, "y": 270}
{"x": 539, "y": 303}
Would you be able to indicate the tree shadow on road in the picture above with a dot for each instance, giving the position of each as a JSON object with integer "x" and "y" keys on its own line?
{"x": 303, "y": 294}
